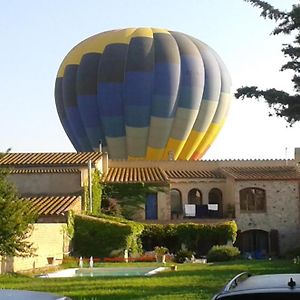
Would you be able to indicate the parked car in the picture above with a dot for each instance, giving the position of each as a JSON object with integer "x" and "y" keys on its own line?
{"x": 244, "y": 286}
{"x": 28, "y": 295}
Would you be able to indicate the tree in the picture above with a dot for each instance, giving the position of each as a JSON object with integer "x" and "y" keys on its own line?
{"x": 281, "y": 103}
{"x": 126, "y": 199}
{"x": 15, "y": 219}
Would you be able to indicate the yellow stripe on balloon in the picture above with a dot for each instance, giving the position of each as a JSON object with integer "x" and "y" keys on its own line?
{"x": 95, "y": 44}
{"x": 206, "y": 142}
{"x": 142, "y": 32}
{"x": 191, "y": 144}
{"x": 154, "y": 153}
{"x": 160, "y": 30}
{"x": 173, "y": 146}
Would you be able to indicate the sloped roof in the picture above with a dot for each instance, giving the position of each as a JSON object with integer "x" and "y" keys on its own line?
{"x": 53, "y": 205}
{"x": 189, "y": 174}
{"x": 42, "y": 171}
{"x": 135, "y": 175}
{"x": 53, "y": 158}
{"x": 263, "y": 173}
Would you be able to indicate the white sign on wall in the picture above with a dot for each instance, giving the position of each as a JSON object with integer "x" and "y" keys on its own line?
{"x": 190, "y": 210}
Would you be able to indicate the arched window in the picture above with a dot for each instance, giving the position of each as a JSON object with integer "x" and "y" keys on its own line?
{"x": 176, "y": 204}
{"x": 195, "y": 197}
{"x": 252, "y": 200}
{"x": 215, "y": 197}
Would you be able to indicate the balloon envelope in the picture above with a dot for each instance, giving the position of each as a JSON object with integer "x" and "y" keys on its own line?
{"x": 143, "y": 93}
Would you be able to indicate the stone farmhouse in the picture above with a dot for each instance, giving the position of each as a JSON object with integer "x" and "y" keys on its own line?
{"x": 262, "y": 196}
{"x": 54, "y": 183}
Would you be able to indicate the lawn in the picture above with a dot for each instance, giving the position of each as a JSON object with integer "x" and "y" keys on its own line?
{"x": 190, "y": 281}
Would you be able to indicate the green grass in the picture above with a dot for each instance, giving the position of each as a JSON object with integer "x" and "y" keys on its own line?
{"x": 190, "y": 281}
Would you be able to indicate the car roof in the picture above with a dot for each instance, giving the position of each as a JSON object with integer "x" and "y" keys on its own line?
{"x": 269, "y": 281}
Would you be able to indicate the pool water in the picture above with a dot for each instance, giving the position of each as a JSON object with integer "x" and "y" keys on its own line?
{"x": 104, "y": 272}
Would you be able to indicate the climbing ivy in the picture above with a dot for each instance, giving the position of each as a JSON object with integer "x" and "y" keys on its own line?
{"x": 96, "y": 194}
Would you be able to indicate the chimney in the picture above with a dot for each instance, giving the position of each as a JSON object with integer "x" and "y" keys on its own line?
{"x": 297, "y": 157}
{"x": 104, "y": 162}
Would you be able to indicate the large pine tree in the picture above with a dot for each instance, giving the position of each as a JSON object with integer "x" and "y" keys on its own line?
{"x": 281, "y": 103}
{"x": 16, "y": 218}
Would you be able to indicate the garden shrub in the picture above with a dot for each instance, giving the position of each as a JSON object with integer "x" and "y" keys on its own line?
{"x": 182, "y": 255}
{"x": 198, "y": 238}
{"x": 222, "y": 253}
{"x": 99, "y": 237}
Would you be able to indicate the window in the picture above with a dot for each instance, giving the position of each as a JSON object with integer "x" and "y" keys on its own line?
{"x": 215, "y": 197}
{"x": 176, "y": 204}
{"x": 252, "y": 200}
{"x": 195, "y": 197}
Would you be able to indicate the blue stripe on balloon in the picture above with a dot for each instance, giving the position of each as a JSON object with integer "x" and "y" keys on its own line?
{"x": 138, "y": 88}
{"x": 190, "y": 97}
{"x": 96, "y": 137}
{"x": 91, "y": 119}
{"x": 73, "y": 114}
{"x": 166, "y": 79}
{"x": 109, "y": 99}
{"x": 70, "y": 133}
{"x": 113, "y": 126}
{"x": 137, "y": 116}
{"x": 191, "y": 71}
{"x": 88, "y": 108}
{"x": 161, "y": 107}
{"x": 191, "y": 82}
{"x": 166, "y": 82}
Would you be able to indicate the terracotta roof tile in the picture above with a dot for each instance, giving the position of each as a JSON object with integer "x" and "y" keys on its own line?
{"x": 263, "y": 173}
{"x": 134, "y": 175}
{"x": 53, "y": 158}
{"x": 184, "y": 174}
{"x": 53, "y": 205}
{"x": 42, "y": 171}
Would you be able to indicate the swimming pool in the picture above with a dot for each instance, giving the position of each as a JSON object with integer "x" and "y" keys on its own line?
{"x": 104, "y": 272}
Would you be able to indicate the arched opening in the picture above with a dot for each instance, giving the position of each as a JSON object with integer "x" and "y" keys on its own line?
{"x": 176, "y": 204}
{"x": 253, "y": 243}
{"x": 215, "y": 201}
{"x": 252, "y": 200}
{"x": 195, "y": 197}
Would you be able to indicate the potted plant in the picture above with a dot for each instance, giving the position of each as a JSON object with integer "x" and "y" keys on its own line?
{"x": 50, "y": 260}
{"x": 160, "y": 253}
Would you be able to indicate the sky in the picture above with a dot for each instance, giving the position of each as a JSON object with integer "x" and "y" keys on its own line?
{"x": 36, "y": 36}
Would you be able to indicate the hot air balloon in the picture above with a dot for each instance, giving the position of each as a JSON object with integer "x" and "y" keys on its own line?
{"x": 143, "y": 93}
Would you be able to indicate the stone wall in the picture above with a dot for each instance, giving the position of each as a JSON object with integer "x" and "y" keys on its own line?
{"x": 47, "y": 183}
{"x": 48, "y": 240}
{"x": 282, "y": 211}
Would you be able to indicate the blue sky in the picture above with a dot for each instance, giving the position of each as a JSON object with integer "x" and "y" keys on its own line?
{"x": 36, "y": 35}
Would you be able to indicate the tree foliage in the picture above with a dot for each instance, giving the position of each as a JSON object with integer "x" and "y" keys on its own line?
{"x": 127, "y": 199}
{"x": 281, "y": 103}
{"x": 15, "y": 219}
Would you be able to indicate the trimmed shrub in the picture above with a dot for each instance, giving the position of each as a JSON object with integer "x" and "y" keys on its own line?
{"x": 99, "y": 237}
{"x": 222, "y": 253}
{"x": 198, "y": 238}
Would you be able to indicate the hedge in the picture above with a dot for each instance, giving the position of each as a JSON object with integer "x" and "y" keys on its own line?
{"x": 198, "y": 238}
{"x": 222, "y": 253}
{"x": 99, "y": 237}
